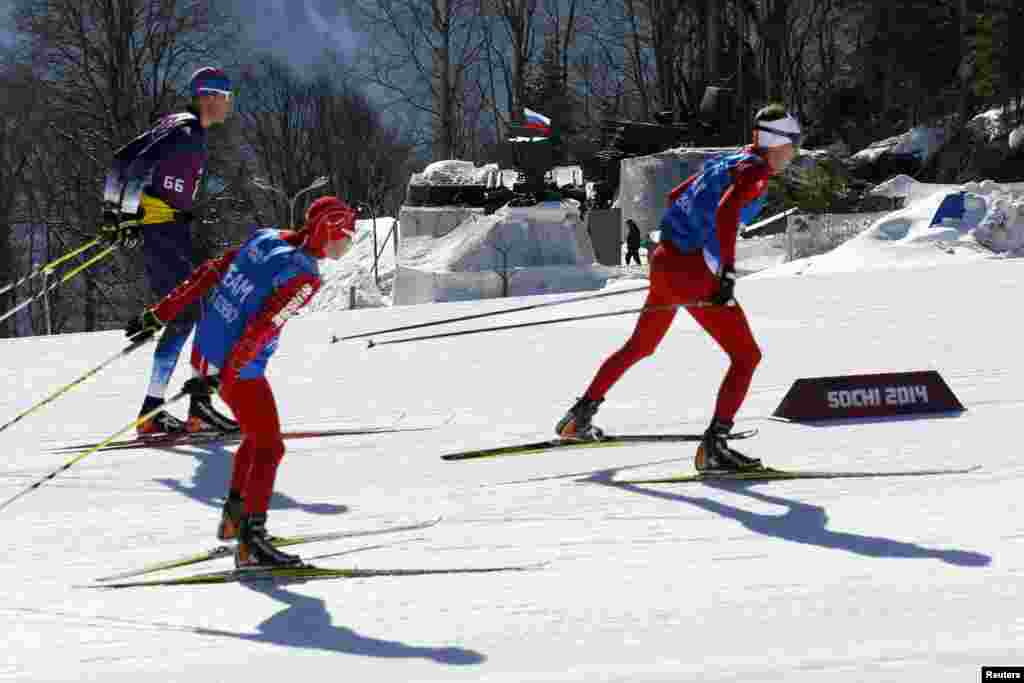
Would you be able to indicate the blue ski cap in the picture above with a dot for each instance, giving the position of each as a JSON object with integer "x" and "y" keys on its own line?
{"x": 209, "y": 80}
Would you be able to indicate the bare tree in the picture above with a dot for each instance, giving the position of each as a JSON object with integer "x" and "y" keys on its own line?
{"x": 367, "y": 160}
{"x": 517, "y": 50}
{"x": 422, "y": 54}
{"x": 19, "y": 125}
{"x": 280, "y": 125}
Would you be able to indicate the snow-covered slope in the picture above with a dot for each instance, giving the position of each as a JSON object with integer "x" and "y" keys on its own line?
{"x": 842, "y": 580}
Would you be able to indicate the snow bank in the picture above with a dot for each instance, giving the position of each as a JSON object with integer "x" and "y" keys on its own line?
{"x": 970, "y": 222}
{"x": 456, "y": 172}
{"x": 1002, "y": 228}
{"x": 990, "y": 123}
{"x": 352, "y": 275}
{"x": 921, "y": 141}
{"x": 912, "y": 190}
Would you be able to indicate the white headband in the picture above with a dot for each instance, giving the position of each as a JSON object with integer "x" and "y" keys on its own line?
{"x": 785, "y": 131}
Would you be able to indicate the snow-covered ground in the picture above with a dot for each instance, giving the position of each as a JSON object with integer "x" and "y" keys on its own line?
{"x": 841, "y": 580}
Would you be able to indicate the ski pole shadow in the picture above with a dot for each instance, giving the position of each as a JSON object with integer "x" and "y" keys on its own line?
{"x": 802, "y": 523}
{"x": 307, "y": 623}
{"x": 209, "y": 483}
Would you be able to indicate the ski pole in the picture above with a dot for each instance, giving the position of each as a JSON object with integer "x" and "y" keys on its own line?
{"x": 49, "y": 267}
{"x": 56, "y": 283}
{"x": 766, "y": 221}
{"x": 475, "y": 316}
{"x": 71, "y": 385}
{"x": 66, "y": 466}
{"x": 695, "y": 304}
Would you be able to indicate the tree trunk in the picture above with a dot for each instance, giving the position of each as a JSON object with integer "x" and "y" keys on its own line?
{"x": 714, "y": 41}
{"x": 443, "y": 147}
{"x": 7, "y": 274}
{"x": 966, "y": 62}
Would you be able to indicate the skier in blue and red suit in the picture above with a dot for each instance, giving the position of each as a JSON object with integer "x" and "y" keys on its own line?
{"x": 149, "y": 195}
{"x": 252, "y": 291}
{"x": 695, "y": 262}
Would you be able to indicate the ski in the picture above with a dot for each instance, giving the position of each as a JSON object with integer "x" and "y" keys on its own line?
{"x": 772, "y": 474}
{"x": 606, "y": 440}
{"x": 308, "y": 572}
{"x": 227, "y": 550}
{"x": 188, "y": 439}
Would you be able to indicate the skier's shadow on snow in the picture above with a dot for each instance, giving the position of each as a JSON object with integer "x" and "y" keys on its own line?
{"x": 801, "y": 523}
{"x": 209, "y": 483}
{"x": 306, "y": 623}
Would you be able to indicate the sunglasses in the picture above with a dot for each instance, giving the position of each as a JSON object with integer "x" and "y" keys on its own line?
{"x": 226, "y": 94}
{"x": 795, "y": 138}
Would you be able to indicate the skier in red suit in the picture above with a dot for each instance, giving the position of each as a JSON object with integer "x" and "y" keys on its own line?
{"x": 695, "y": 262}
{"x": 251, "y": 291}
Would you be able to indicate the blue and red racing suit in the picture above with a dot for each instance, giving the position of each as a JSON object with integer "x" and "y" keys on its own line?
{"x": 698, "y": 241}
{"x": 252, "y": 291}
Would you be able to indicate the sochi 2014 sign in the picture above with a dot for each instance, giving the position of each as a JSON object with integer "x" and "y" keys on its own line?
{"x": 878, "y": 395}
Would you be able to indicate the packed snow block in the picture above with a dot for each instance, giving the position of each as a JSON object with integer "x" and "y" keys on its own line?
{"x": 433, "y": 221}
{"x": 879, "y": 395}
{"x": 414, "y": 286}
{"x": 531, "y": 250}
{"x": 645, "y": 182}
{"x": 546, "y": 234}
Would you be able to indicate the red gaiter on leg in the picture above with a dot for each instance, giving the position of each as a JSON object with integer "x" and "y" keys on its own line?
{"x": 678, "y": 278}
{"x": 256, "y": 460}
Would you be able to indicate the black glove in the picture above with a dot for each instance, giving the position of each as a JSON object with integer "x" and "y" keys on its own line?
{"x": 121, "y": 230}
{"x": 144, "y": 327}
{"x": 726, "y": 286}
{"x": 202, "y": 386}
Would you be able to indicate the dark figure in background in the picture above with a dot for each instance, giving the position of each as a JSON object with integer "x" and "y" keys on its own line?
{"x": 633, "y": 241}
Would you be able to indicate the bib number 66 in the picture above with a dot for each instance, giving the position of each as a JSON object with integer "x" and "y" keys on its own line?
{"x": 175, "y": 184}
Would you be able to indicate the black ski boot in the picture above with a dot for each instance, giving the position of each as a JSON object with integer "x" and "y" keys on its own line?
{"x": 576, "y": 425}
{"x": 160, "y": 424}
{"x": 255, "y": 551}
{"x": 203, "y": 417}
{"x": 231, "y": 517}
{"x": 714, "y": 453}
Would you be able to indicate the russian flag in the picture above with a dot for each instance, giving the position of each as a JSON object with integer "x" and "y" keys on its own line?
{"x": 537, "y": 121}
